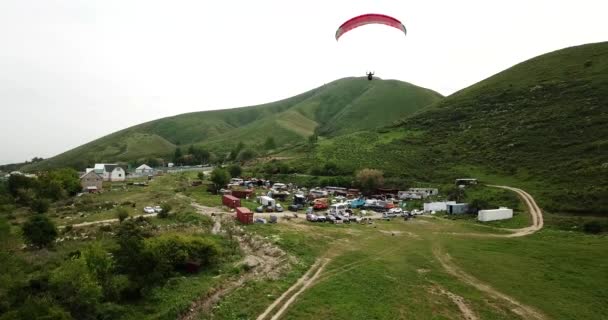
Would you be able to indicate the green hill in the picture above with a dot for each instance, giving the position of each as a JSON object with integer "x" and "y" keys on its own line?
{"x": 343, "y": 106}
{"x": 542, "y": 124}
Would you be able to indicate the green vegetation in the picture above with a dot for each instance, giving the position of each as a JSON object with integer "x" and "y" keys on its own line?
{"x": 538, "y": 125}
{"x": 39, "y": 231}
{"x": 342, "y": 106}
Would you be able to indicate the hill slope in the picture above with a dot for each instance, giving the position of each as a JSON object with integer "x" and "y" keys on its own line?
{"x": 343, "y": 106}
{"x": 542, "y": 123}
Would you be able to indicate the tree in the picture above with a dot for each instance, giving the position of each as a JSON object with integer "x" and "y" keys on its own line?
{"x": 40, "y": 205}
{"x": 235, "y": 152}
{"x": 235, "y": 170}
{"x": 246, "y": 155}
{"x": 201, "y": 175}
{"x": 166, "y": 209}
{"x": 220, "y": 178}
{"x": 370, "y": 179}
{"x": 122, "y": 214}
{"x": 312, "y": 140}
{"x": 39, "y": 231}
{"x": 76, "y": 288}
{"x": 177, "y": 156}
{"x": 269, "y": 144}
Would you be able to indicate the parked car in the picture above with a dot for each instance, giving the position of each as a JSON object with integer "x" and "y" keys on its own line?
{"x": 278, "y": 208}
{"x": 158, "y": 209}
{"x": 294, "y": 207}
{"x": 395, "y": 211}
{"x": 148, "y": 210}
{"x": 321, "y": 218}
{"x": 311, "y": 217}
{"x": 260, "y": 220}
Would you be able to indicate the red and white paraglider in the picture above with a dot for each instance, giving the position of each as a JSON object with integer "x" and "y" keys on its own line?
{"x": 365, "y": 19}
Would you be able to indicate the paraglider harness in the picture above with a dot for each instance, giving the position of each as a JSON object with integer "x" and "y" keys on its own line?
{"x": 370, "y": 76}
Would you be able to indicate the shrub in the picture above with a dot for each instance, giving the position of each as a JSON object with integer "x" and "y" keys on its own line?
{"x": 370, "y": 179}
{"x": 75, "y": 287}
{"x": 122, "y": 214}
{"x": 166, "y": 209}
{"x": 171, "y": 252}
{"x": 593, "y": 227}
{"x": 40, "y": 205}
{"x": 39, "y": 231}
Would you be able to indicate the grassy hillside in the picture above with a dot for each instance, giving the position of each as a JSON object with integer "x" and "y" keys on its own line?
{"x": 540, "y": 124}
{"x": 343, "y": 106}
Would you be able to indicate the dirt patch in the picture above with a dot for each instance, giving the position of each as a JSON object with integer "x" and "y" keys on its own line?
{"x": 525, "y": 311}
{"x": 423, "y": 271}
{"x": 459, "y": 301}
{"x": 392, "y": 233}
{"x": 302, "y": 283}
{"x": 262, "y": 260}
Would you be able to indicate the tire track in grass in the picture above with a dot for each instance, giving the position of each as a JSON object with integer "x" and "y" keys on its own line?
{"x": 524, "y": 311}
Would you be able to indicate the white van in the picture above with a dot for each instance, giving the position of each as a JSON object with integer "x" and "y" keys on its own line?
{"x": 338, "y": 208}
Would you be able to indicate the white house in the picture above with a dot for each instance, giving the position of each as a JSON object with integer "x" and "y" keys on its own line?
{"x": 109, "y": 172}
{"x": 144, "y": 169}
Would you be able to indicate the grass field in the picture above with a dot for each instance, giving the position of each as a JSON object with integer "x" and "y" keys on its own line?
{"x": 389, "y": 271}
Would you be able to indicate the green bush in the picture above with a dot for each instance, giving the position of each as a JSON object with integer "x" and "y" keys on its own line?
{"x": 166, "y": 210}
{"x": 122, "y": 214}
{"x": 76, "y": 288}
{"x": 593, "y": 227}
{"x": 40, "y": 205}
{"x": 39, "y": 231}
{"x": 171, "y": 252}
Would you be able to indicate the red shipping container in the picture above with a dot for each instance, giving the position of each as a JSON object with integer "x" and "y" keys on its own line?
{"x": 230, "y": 201}
{"x": 244, "y": 215}
{"x": 242, "y": 194}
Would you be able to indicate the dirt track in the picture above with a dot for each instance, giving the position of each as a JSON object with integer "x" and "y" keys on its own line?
{"x": 535, "y": 212}
{"x": 524, "y": 311}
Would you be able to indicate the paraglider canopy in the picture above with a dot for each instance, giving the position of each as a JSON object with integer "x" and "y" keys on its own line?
{"x": 370, "y": 18}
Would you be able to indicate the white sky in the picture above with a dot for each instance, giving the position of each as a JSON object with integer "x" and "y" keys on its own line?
{"x": 72, "y": 71}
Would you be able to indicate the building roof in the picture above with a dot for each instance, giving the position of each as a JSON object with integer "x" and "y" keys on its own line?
{"x": 90, "y": 173}
{"x": 144, "y": 167}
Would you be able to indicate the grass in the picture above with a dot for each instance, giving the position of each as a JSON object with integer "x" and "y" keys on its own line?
{"x": 335, "y": 108}
{"x": 376, "y": 275}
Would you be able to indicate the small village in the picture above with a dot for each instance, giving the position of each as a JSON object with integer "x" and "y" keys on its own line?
{"x": 270, "y": 201}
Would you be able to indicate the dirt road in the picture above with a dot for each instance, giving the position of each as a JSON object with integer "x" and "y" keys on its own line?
{"x": 287, "y": 298}
{"x": 263, "y": 260}
{"x": 92, "y": 223}
{"x": 524, "y": 311}
{"x": 535, "y": 212}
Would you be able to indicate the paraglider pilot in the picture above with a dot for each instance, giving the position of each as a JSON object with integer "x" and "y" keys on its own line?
{"x": 370, "y": 75}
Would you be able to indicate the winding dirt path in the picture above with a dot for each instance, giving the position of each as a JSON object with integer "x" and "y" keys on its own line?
{"x": 303, "y": 283}
{"x": 524, "y": 311}
{"x": 459, "y": 301}
{"x": 533, "y": 209}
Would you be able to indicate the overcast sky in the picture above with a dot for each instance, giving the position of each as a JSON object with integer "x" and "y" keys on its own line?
{"x": 72, "y": 71}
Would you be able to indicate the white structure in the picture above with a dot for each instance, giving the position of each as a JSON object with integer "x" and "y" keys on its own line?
{"x": 502, "y": 213}
{"x": 338, "y": 208}
{"x": 144, "y": 169}
{"x": 266, "y": 201}
{"x": 279, "y": 186}
{"x": 437, "y": 206}
{"x": 425, "y": 192}
{"x": 109, "y": 171}
{"x": 404, "y": 195}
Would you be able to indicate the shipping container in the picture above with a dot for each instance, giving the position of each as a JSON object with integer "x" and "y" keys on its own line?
{"x": 244, "y": 215}
{"x": 231, "y": 201}
{"x": 495, "y": 214}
